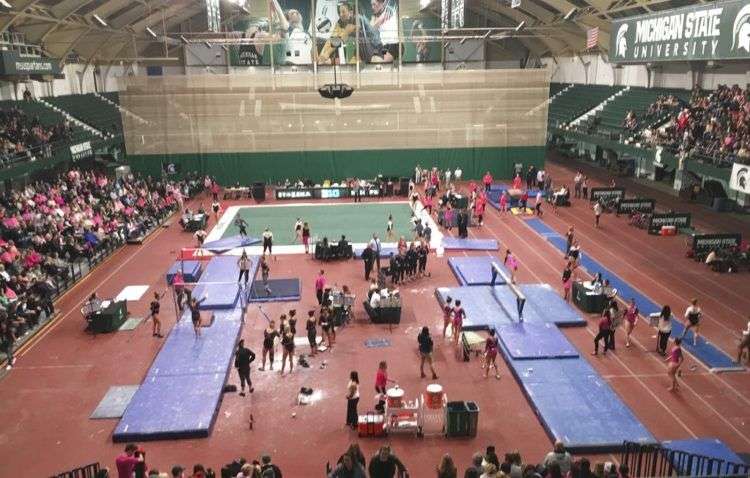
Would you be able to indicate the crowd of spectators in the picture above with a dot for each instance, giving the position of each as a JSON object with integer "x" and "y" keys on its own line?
{"x": 558, "y": 463}
{"x": 714, "y": 126}
{"x": 24, "y": 137}
{"x": 48, "y": 226}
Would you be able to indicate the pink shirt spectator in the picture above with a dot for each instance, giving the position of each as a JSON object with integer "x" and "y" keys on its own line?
{"x": 320, "y": 282}
{"x": 125, "y": 465}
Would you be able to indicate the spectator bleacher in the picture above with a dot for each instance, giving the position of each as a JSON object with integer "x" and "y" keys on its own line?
{"x": 577, "y": 100}
{"x": 92, "y": 110}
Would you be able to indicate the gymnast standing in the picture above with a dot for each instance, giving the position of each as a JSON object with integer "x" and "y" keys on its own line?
{"x": 154, "y": 307}
{"x": 195, "y": 314}
{"x": 242, "y": 225}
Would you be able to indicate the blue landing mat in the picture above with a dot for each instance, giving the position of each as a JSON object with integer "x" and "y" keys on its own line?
{"x": 225, "y": 269}
{"x": 384, "y": 251}
{"x": 483, "y": 305}
{"x": 453, "y": 243}
{"x": 535, "y": 341}
{"x": 712, "y": 448}
{"x": 191, "y": 271}
{"x": 217, "y": 296}
{"x": 182, "y": 391}
{"x": 184, "y": 354}
{"x": 577, "y": 406}
{"x": 227, "y": 243}
{"x": 714, "y": 358}
{"x": 282, "y": 290}
{"x": 171, "y": 407}
{"x": 475, "y": 270}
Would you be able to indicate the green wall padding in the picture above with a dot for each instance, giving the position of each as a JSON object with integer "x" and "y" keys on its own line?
{"x": 319, "y": 165}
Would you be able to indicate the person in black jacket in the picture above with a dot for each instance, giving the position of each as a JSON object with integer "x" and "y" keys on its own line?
{"x": 425, "y": 352}
{"x": 368, "y": 255}
{"x": 385, "y": 464}
{"x": 242, "y": 361}
{"x": 268, "y": 469}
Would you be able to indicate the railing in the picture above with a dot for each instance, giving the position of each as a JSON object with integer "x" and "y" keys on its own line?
{"x": 88, "y": 471}
{"x": 655, "y": 461}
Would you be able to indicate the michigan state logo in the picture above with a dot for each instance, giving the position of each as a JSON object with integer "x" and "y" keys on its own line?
{"x": 622, "y": 42}
{"x": 741, "y": 30}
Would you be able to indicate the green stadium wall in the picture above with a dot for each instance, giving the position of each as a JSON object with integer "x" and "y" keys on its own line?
{"x": 319, "y": 165}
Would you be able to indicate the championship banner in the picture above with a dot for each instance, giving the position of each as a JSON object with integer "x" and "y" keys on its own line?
{"x": 606, "y": 194}
{"x": 740, "y": 179}
{"x": 707, "y": 242}
{"x": 677, "y": 219}
{"x": 629, "y": 206}
{"x": 712, "y": 31}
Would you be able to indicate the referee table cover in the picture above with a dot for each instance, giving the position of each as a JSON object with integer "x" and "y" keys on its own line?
{"x": 182, "y": 391}
{"x": 713, "y": 357}
{"x": 476, "y": 270}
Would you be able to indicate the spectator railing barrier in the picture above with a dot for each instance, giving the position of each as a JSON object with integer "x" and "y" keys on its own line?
{"x": 88, "y": 471}
{"x": 656, "y": 461}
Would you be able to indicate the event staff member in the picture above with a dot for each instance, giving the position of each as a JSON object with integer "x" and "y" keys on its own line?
{"x": 425, "y": 352}
{"x": 242, "y": 361}
{"x": 381, "y": 378}
{"x": 664, "y": 326}
{"x": 376, "y": 248}
{"x": 268, "y": 241}
{"x": 744, "y": 343}
{"x": 320, "y": 285}
{"x": 368, "y": 256}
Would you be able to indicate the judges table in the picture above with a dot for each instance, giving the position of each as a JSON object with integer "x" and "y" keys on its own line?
{"x": 110, "y": 317}
{"x": 586, "y": 300}
{"x": 196, "y": 222}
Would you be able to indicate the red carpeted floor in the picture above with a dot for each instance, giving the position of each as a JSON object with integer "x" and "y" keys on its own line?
{"x": 61, "y": 376}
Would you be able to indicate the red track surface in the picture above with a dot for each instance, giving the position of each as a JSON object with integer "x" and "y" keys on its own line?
{"x": 60, "y": 378}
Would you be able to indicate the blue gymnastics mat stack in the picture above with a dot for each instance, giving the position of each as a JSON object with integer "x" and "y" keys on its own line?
{"x": 713, "y": 357}
{"x": 191, "y": 271}
{"x": 476, "y": 270}
{"x": 182, "y": 391}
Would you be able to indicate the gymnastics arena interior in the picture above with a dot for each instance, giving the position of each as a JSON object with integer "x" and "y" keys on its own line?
{"x": 312, "y": 186}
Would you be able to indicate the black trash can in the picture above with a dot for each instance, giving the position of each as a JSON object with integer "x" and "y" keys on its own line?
{"x": 259, "y": 191}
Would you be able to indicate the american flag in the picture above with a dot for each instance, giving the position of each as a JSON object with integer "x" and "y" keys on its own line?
{"x": 592, "y": 37}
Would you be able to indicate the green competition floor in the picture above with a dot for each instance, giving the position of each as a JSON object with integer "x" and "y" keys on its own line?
{"x": 357, "y": 221}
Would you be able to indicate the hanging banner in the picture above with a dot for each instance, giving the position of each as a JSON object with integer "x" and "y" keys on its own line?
{"x": 606, "y": 194}
{"x": 712, "y": 31}
{"x": 631, "y": 205}
{"x": 81, "y": 151}
{"x": 708, "y": 242}
{"x": 13, "y": 64}
{"x": 740, "y": 179}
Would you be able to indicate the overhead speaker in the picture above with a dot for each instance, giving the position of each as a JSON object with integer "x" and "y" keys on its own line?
{"x": 337, "y": 90}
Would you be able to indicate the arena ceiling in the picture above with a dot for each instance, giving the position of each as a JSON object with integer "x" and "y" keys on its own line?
{"x": 70, "y": 27}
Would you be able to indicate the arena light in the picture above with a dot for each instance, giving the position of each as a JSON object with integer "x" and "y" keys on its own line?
{"x": 570, "y": 14}
{"x": 99, "y": 20}
{"x": 463, "y": 40}
{"x": 151, "y": 33}
{"x": 424, "y": 4}
{"x": 520, "y": 26}
{"x": 208, "y": 44}
{"x": 244, "y": 10}
{"x": 225, "y": 48}
{"x": 335, "y": 90}
{"x": 183, "y": 39}
{"x": 5, "y": 4}
{"x": 487, "y": 34}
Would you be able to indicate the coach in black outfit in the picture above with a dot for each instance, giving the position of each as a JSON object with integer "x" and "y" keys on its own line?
{"x": 242, "y": 362}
